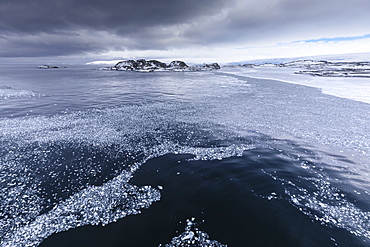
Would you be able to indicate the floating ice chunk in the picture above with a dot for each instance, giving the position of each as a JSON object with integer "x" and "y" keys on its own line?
{"x": 193, "y": 237}
{"x": 189, "y": 236}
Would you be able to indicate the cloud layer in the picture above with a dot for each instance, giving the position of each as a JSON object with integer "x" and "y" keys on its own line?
{"x": 40, "y": 28}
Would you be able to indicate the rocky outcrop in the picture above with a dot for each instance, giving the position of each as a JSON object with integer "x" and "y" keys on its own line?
{"x": 211, "y": 66}
{"x": 177, "y": 65}
{"x": 143, "y": 65}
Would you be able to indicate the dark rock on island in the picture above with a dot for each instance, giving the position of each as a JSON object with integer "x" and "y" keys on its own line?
{"x": 178, "y": 65}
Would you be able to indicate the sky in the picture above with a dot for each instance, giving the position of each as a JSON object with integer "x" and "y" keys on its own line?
{"x": 190, "y": 30}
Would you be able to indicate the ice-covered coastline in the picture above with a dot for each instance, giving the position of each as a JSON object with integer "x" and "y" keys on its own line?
{"x": 331, "y": 69}
{"x": 346, "y": 79}
{"x": 322, "y": 67}
{"x": 342, "y": 79}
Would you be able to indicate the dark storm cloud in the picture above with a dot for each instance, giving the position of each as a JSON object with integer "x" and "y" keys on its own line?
{"x": 22, "y": 20}
{"x": 57, "y": 45}
{"x": 67, "y": 27}
{"x": 122, "y": 16}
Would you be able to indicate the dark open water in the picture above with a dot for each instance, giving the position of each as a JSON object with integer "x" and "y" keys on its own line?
{"x": 113, "y": 158}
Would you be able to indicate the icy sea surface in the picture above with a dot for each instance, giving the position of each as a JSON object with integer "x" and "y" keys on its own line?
{"x": 114, "y": 158}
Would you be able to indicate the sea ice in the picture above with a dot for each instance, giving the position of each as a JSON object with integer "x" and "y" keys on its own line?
{"x": 345, "y": 87}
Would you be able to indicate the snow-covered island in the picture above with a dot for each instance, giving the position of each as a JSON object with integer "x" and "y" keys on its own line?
{"x": 143, "y": 65}
{"x": 48, "y": 67}
{"x": 322, "y": 68}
